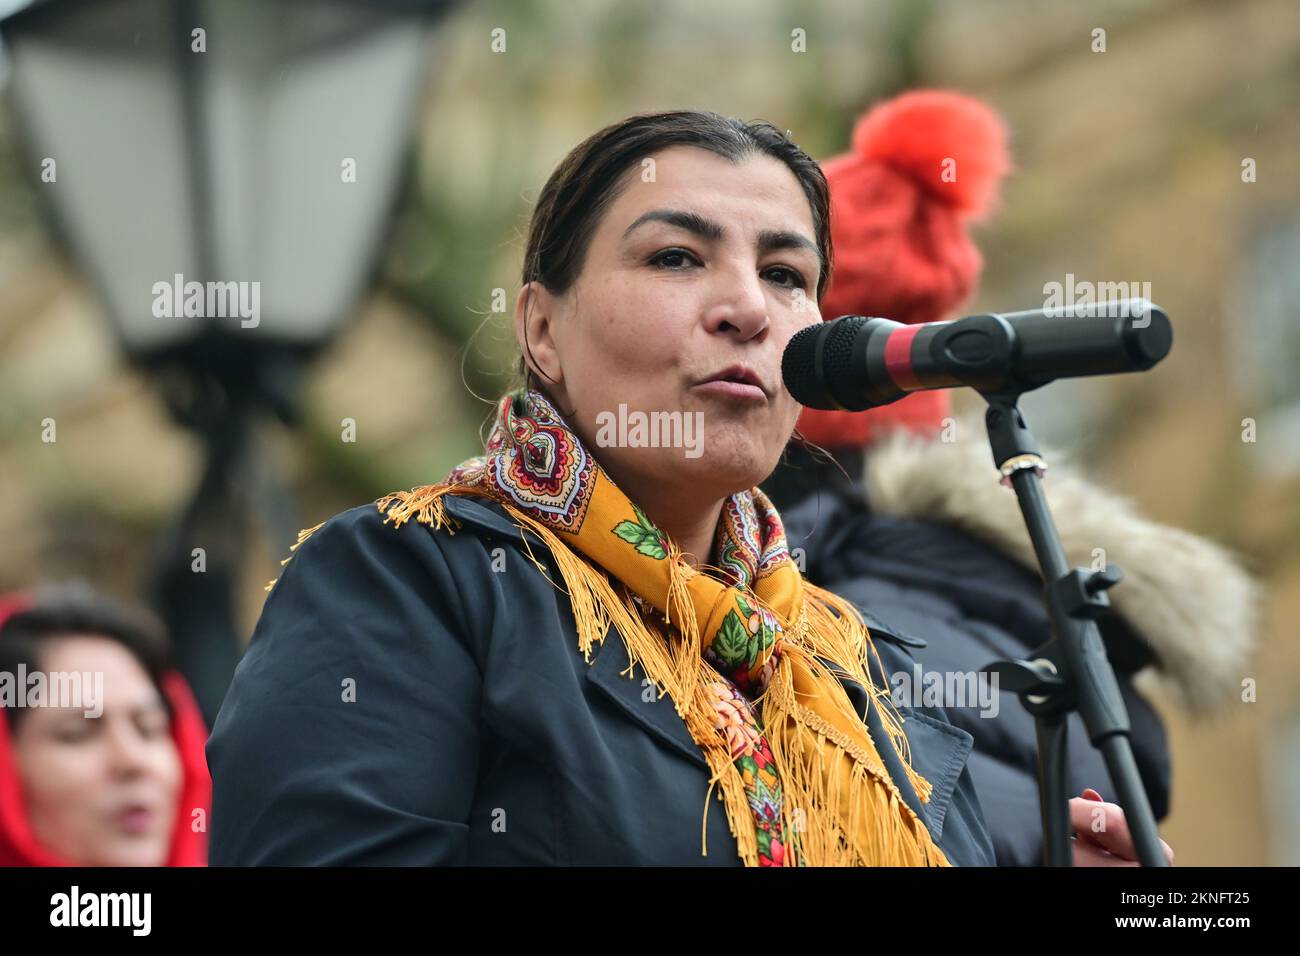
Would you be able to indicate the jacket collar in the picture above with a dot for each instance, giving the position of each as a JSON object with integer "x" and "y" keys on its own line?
{"x": 630, "y": 690}
{"x": 488, "y": 516}
{"x": 480, "y": 512}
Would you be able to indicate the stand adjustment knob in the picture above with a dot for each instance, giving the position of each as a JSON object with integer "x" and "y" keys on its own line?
{"x": 1103, "y": 580}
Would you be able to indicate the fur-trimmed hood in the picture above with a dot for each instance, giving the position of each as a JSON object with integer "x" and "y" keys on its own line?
{"x": 1187, "y": 597}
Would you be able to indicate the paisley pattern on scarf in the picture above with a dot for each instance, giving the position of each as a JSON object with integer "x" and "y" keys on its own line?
{"x": 539, "y": 464}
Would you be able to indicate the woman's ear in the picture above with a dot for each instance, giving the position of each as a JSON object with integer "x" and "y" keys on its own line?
{"x": 535, "y": 310}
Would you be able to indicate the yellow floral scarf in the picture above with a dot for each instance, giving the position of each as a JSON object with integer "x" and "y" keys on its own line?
{"x": 739, "y": 647}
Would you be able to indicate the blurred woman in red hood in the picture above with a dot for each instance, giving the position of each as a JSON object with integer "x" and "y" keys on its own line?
{"x": 121, "y": 778}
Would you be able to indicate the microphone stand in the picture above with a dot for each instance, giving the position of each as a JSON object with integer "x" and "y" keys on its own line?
{"x": 1071, "y": 671}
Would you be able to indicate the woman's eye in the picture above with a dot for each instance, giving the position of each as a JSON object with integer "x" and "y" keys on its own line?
{"x": 796, "y": 279}
{"x": 676, "y": 255}
{"x": 677, "y": 259}
{"x": 75, "y": 732}
{"x": 153, "y": 725}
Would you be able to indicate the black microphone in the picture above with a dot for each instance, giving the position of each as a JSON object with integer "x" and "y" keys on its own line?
{"x": 854, "y": 362}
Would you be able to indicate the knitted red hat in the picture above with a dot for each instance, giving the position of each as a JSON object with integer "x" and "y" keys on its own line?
{"x": 923, "y": 167}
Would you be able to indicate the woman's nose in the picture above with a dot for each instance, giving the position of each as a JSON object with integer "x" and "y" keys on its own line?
{"x": 741, "y": 308}
{"x": 126, "y": 750}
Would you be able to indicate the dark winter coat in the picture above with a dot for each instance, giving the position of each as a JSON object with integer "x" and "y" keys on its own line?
{"x": 418, "y": 698}
{"x": 922, "y": 536}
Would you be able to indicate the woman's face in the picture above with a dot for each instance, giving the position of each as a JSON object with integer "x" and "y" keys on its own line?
{"x": 101, "y": 791}
{"x": 698, "y": 269}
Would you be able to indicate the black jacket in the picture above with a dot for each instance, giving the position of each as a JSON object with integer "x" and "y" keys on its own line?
{"x": 477, "y": 734}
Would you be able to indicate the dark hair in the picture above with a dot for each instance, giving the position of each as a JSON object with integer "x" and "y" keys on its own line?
{"x": 587, "y": 181}
{"x": 76, "y": 609}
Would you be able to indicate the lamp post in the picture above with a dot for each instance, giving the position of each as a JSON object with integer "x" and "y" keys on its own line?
{"x": 223, "y": 171}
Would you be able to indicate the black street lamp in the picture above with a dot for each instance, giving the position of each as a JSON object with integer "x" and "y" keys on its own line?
{"x": 224, "y": 172}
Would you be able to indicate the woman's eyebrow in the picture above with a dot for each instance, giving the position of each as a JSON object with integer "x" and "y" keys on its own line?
{"x": 690, "y": 221}
{"x": 768, "y": 240}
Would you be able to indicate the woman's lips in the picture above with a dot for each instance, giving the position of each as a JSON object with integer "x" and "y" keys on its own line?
{"x": 135, "y": 819}
{"x": 733, "y": 390}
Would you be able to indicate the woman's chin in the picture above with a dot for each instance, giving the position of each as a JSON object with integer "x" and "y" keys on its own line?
{"x": 725, "y": 472}
{"x": 134, "y": 852}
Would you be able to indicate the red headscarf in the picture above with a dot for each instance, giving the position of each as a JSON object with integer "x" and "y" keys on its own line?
{"x": 19, "y": 847}
{"x": 899, "y": 230}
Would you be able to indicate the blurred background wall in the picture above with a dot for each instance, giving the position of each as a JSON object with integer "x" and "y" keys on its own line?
{"x": 1129, "y": 168}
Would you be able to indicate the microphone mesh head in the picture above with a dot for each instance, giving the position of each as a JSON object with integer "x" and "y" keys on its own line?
{"x": 798, "y": 364}
{"x": 838, "y": 354}
{"x": 797, "y": 367}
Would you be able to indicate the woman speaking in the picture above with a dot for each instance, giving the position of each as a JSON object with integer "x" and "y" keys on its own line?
{"x": 585, "y": 647}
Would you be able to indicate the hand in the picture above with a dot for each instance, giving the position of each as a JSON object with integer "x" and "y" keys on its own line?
{"x": 1110, "y": 844}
